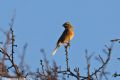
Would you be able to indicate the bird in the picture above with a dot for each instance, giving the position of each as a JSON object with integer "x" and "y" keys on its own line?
{"x": 66, "y": 36}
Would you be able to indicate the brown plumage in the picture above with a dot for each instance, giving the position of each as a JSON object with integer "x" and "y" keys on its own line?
{"x": 66, "y": 36}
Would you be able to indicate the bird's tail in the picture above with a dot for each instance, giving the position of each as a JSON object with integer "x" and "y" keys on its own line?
{"x": 55, "y": 50}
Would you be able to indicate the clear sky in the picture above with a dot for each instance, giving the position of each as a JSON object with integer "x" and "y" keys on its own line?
{"x": 39, "y": 23}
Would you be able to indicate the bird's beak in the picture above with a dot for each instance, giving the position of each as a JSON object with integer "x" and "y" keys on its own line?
{"x": 64, "y": 25}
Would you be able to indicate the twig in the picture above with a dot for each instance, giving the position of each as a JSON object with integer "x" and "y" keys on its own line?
{"x": 10, "y": 57}
{"x": 66, "y": 53}
{"x": 77, "y": 72}
{"x": 42, "y": 66}
{"x": 116, "y": 75}
{"x": 105, "y": 62}
{"x": 115, "y": 40}
{"x": 69, "y": 72}
{"x": 13, "y": 40}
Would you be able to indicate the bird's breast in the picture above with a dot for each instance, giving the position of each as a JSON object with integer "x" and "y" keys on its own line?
{"x": 71, "y": 33}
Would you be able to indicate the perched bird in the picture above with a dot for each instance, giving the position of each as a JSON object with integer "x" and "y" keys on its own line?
{"x": 66, "y": 36}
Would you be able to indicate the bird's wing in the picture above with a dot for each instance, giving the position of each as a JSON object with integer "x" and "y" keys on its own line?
{"x": 63, "y": 36}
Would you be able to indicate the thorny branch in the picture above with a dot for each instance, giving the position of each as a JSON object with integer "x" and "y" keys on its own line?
{"x": 11, "y": 56}
{"x": 10, "y": 40}
{"x": 90, "y": 76}
{"x": 66, "y": 54}
{"x": 109, "y": 52}
{"x": 88, "y": 64}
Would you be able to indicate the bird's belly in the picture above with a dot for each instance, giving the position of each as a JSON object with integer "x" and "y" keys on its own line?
{"x": 71, "y": 35}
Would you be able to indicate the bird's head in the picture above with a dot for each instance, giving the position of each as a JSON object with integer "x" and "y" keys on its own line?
{"x": 67, "y": 25}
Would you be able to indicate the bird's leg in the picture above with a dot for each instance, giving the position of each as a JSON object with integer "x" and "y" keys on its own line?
{"x": 68, "y": 44}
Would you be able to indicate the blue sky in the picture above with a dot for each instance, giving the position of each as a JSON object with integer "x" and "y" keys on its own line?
{"x": 39, "y": 23}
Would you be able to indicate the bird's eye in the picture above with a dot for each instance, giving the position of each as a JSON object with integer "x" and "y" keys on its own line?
{"x": 66, "y": 24}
